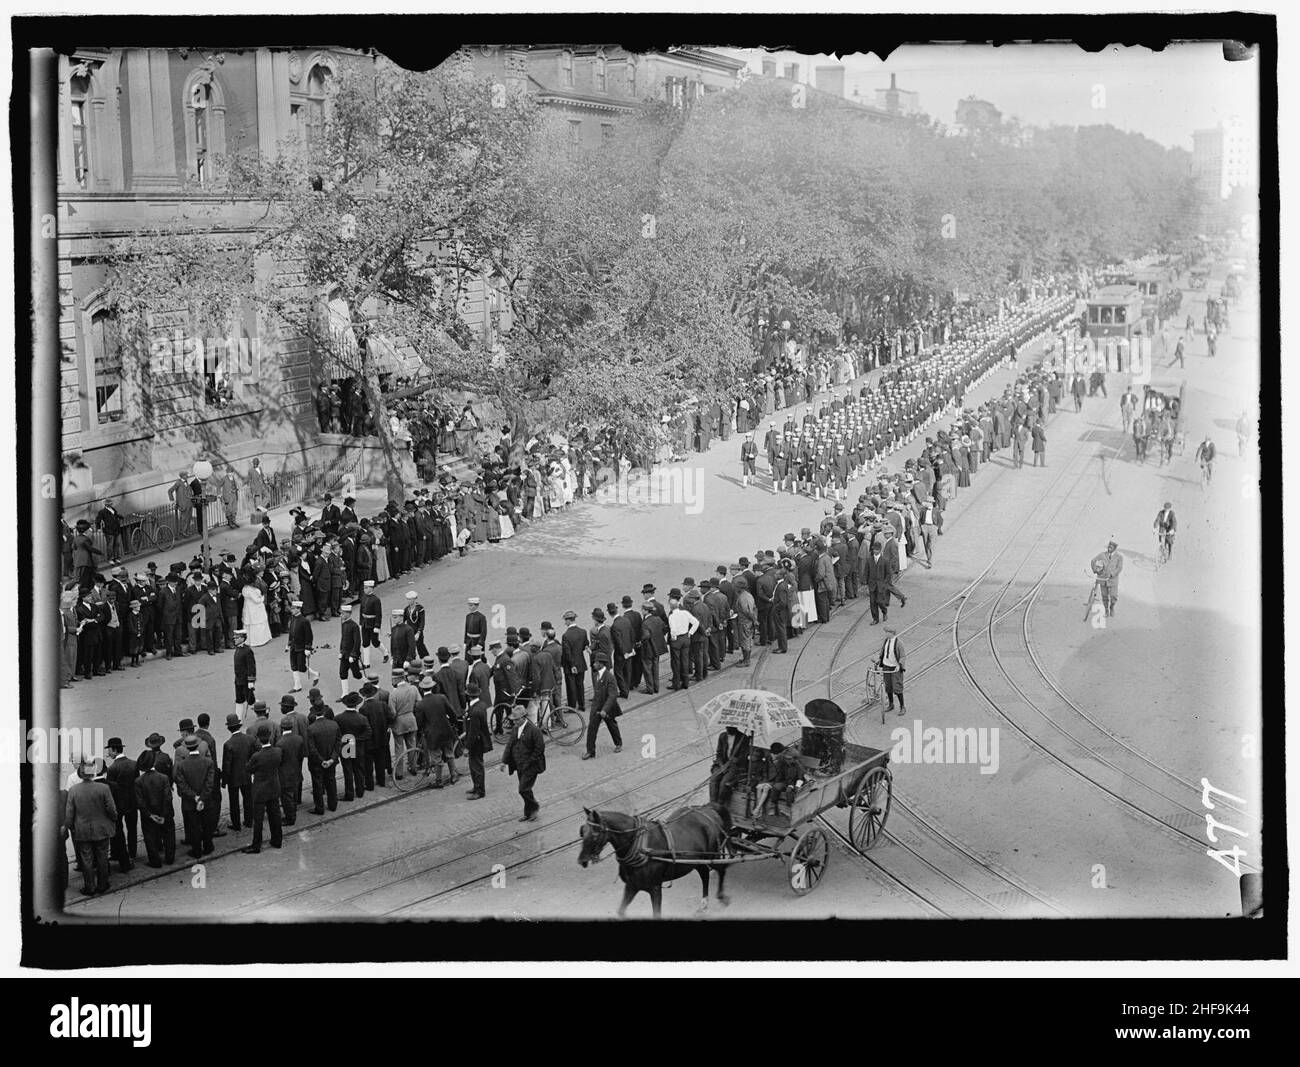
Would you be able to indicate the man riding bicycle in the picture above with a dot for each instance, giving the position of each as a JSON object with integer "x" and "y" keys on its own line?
{"x": 1165, "y": 526}
{"x": 1205, "y": 457}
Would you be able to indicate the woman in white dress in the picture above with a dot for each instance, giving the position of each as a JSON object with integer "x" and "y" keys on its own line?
{"x": 503, "y": 510}
{"x": 570, "y": 479}
{"x": 259, "y": 630}
{"x": 379, "y": 550}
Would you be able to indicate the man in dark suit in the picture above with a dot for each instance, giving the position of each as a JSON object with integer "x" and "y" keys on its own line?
{"x": 353, "y": 724}
{"x": 600, "y": 635}
{"x": 634, "y": 663}
{"x": 211, "y": 810}
{"x": 92, "y": 817}
{"x": 172, "y": 606}
{"x": 323, "y": 746}
{"x": 525, "y": 756}
{"x": 875, "y": 571}
{"x": 375, "y": 709}
{"x": 478, "y": 738}
{"x": 330, "y": 515}
{"x": 621, "y": 634}
{"x": 654, "y": 643}
{"x": 234, "y": 771}
{"x": 264, "y": 766}
{"x": 433, "y": 719}
{"x": 153, "y": 799}
{"x": 604, "y": 706}
{"x": 109, "y": 522}
{"x": 573, "y": 646}
{"x": 292, "y": 750}
{"x": 450, "y": 684}
{"x": 121, "y": 775}
{"x": 195, "y": 776}
{"x": 730, "y": 761}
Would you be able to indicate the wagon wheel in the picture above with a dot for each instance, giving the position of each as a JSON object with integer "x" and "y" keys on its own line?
{"x": 808, "y": 860}
{"x": 870, "y": 809}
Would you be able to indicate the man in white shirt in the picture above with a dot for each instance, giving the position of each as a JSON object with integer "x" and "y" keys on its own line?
{"x": 681, "y": 625}
{"x": 892, "y": 664}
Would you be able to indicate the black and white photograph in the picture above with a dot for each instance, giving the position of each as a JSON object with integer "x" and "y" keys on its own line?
{"x": 527, "y": 482}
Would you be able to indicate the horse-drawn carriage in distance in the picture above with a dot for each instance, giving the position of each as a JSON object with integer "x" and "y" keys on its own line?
{"x": 766, "y": 800}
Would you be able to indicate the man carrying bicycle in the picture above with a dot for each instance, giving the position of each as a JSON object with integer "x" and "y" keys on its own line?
{"x": 1165, "y": 526}
{"x": 1205, "y": 457}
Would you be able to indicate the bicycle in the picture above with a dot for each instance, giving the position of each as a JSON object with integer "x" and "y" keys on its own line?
{"x": 559, "y": 722}
{"x": 875, "y": 683}
{"x": 1164, "y": 545}
{"x": 1207, "y": 474}
{"x": 415, "y": 765}
{"x": 148, "y": 531}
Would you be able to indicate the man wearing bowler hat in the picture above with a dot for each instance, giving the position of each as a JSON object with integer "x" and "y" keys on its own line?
{"x": 264, "y": 766}
{"x": 604, "y": 705}
{"x": 525, "y": 756}
{"x": 234, "y": 768}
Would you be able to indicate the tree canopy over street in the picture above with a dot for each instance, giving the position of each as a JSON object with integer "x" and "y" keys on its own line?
{"x": 649, "y": 268}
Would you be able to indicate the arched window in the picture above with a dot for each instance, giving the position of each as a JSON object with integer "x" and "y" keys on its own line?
{"x": 104, "y": 343}
{"x": 205, "y": 125}
{"x": 601, "y": 73}
{"x": 314, "y": 111}
{"x": 566, "y": 70}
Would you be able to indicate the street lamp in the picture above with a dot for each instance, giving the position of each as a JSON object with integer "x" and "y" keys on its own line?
{"x": 202, "y": 470}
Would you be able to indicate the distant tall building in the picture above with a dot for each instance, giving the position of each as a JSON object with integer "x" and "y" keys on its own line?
{"x": 1223, "y": 158}
{"x": 898, "y": 101}
{"x": 1224, "y": 171}
{"x": 974, "y": 114}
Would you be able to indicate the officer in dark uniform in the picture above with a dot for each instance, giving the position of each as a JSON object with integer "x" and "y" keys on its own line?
{"x": 372, "y": 618}
{"x": 300, "y": 646}
{"x": 245, "y": 674}
{"x": 415, "y": 619}
{"x": 349, "y": 651}
{"x": 476, "y": 627}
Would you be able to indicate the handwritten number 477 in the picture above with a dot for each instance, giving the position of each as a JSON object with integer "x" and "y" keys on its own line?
{"x": 1212, "y": 824}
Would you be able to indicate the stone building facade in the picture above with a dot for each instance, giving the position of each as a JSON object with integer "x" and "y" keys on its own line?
{"x": 141, "y": 135}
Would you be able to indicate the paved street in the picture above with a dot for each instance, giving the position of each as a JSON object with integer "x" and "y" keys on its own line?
{"x": 1091, "y": 811}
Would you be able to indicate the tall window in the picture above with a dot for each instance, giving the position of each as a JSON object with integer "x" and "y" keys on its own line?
{"x": 601, "y": 73}
{"x": 769, "y": 68}
{"x": 575, "y": 134}
{"x": 313, "y": 110}
{"x": 566, "y": 70}
{"x": 106, "y": 368}
{"x": 200, "y": 117}
{"x": 80, "y": 132}
{"x": 792, "y": 71}
{"x": 606, "y": 131}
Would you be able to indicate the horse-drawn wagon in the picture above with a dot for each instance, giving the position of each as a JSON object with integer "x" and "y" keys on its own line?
{"x": 748, "y": 817}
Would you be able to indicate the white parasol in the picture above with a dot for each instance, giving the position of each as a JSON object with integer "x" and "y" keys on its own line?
{"x": 756, "y": 712}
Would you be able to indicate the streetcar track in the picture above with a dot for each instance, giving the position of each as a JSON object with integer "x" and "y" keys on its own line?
{"x": 986, "y": 630}
{"x": 1097, "y": 724}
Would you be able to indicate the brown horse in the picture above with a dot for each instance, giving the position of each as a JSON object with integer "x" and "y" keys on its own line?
{"x": 649, "y": 852}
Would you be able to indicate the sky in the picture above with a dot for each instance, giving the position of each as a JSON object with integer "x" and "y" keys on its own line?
{"x": 1164, "y": 95}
